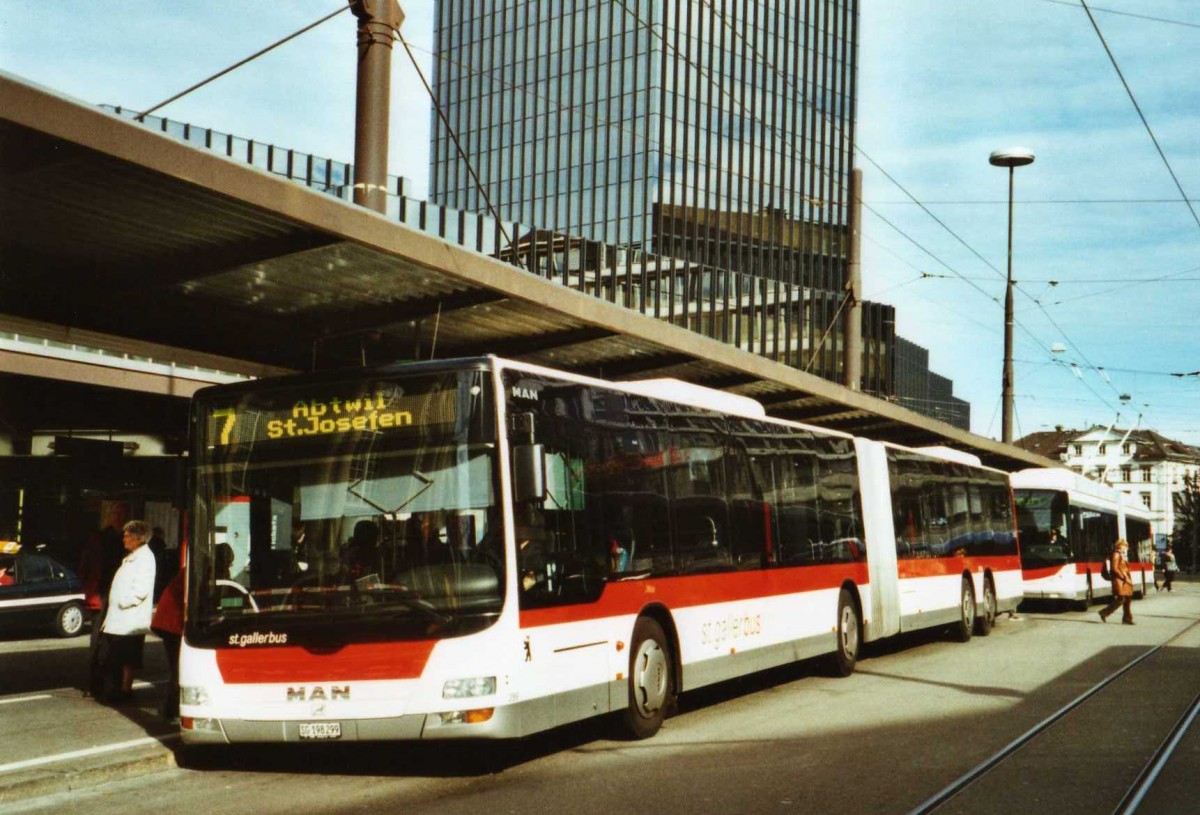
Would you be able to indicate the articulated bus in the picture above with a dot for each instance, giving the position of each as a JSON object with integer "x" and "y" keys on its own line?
{"x": 1068, "y": 525}
{"x": 487, "y": 549}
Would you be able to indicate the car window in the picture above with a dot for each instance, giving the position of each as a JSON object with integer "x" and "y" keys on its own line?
{"x": 36, "y": 569}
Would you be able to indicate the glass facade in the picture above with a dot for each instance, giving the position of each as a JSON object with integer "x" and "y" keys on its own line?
{"x": 688, "y": 158}
{"x": 692, "y": 128}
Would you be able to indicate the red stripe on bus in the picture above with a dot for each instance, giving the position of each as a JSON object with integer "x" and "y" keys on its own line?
{"x": 363, "y": 661}
{"x": 940, "y": 566}
{"x": 631, "y": 596}
{"x": 1039, "y": 574}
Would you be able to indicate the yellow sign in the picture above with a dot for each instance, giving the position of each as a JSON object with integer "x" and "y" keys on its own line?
{"x": 369, "y": 413}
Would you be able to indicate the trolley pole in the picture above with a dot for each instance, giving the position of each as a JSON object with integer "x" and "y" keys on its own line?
{"x": 378, "y": 22}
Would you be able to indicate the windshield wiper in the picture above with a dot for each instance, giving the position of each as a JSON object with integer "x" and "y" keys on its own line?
{"x": 411, "y": 602}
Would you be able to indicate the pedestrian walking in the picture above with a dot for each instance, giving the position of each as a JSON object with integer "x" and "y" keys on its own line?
{"x": 1122, "y": 584}
{"x": 1170, "y": 567}
{"x": 128, "y": 612}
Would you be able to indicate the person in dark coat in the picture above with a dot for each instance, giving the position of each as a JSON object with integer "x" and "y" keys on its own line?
{"x": 164, "y": 570}
{"x": 1170, "y": 567}
{"x": 167, "y": 623}
{"x": 1122, "y": 585}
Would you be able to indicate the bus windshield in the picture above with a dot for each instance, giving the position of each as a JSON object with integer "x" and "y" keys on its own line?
{"x": 1043, "y": 521}
{"x": 346, "y": 511}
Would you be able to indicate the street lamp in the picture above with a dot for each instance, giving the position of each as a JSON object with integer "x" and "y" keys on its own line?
{"x": 1011, "y": 158}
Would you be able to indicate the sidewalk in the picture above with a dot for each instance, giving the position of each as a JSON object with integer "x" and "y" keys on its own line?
{"x": 57, "y": 741}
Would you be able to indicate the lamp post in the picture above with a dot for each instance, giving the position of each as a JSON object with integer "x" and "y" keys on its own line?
{"x": 1011, "y": 158}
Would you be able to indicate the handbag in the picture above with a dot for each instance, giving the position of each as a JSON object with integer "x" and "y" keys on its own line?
{"x": 1105, "y": 572}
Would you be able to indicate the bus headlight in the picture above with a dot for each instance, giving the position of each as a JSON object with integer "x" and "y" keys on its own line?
{"x": 190, "y": 695}
{"x": 466, "y": 688}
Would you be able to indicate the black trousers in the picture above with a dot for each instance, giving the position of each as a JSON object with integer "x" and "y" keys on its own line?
{"x": 170, "y": 705}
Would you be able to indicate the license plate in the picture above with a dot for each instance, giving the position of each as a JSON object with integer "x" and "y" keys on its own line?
{"x": 320, "y": 730}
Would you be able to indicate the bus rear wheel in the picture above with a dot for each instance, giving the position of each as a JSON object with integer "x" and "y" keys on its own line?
{"x": 987, "y": 620}
{"x": 849, "y": 635}
{"x": 651, "y": 679}
{"x": 966, "y": 613}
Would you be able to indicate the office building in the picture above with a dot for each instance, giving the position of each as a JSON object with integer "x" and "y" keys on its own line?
{"x": 716, "y": 134}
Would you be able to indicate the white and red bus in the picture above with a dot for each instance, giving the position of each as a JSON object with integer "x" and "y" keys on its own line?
{"x": 1068, "y": 525}
{"x": 484, "y": 549}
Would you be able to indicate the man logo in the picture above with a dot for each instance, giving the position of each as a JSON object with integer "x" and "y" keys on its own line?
{"x": 319, "y": 694}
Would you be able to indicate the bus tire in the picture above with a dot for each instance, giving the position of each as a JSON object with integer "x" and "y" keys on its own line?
{"x": 966, "y": 612}
{"x": 651, "y": 679}
{"x": 986, "y": 621}
{"x": 849, "y": 634}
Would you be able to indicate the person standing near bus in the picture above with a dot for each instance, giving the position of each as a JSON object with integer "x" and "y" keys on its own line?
{"x": 167, "y": 623}
{"x": 1122, "y": 585}
{"x": 1170, "y": 567}
{"x": 129, "y": 609}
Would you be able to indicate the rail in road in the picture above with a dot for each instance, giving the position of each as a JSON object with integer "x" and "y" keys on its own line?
{"x": 1122, "y": 714}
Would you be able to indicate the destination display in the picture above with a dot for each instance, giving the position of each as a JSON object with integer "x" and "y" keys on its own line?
{"x": 378, "y": 411}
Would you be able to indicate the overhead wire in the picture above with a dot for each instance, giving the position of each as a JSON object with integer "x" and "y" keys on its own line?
{"x": 461, "y": 153}
{"x": 1073, "y": 4}
{"x": 142, "y": 116}
{"x": 1128, "y": 90}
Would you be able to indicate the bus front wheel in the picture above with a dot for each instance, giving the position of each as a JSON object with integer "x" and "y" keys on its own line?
{"x": 651, "y": 679}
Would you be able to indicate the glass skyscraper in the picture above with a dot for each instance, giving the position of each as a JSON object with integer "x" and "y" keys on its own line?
{"x": 720, "y": 131}
{"x": 687, "y": 158}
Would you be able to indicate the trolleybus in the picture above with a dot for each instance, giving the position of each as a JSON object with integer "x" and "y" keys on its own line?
{"x": 484, "y": 548}
{"x": 1068, "y": 526}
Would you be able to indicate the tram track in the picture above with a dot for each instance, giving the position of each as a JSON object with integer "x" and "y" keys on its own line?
{"x": 1135, "y": 793}
{"x": 1139, "y": 790}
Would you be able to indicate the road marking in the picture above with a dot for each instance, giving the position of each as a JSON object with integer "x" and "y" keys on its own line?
{"x": 91, "y": 751}
{"x": 26, "y": 699}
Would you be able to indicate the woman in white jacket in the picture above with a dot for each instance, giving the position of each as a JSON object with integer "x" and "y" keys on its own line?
{"x": 130, "y": 606}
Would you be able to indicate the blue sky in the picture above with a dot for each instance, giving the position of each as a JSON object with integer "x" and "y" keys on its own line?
{"x": 942, "y": 84}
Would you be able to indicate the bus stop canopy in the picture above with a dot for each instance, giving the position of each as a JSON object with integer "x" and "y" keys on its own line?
{"x": 145, "y": 246}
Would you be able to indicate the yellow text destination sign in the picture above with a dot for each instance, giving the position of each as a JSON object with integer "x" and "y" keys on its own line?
{"x": 376, "y": 411}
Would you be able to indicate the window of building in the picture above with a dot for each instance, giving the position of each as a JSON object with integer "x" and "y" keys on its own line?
{"x": 1078, "y": 449}
{"x": 1146, "y": 500}
{"x": 1126, "y": 474}
{"x": 1146, "y": 475}
{"x": 1103, "y": 449}
{"x": 1127, "y": 448}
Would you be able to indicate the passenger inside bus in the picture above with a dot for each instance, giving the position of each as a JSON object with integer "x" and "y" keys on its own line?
{"x": 362, "y": 552}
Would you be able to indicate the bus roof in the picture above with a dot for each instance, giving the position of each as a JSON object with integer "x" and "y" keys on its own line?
{"x": 1064, "y": 480}
{"x": 687, "y": 393}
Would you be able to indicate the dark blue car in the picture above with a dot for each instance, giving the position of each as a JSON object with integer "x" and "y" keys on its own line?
{"x": 37, "y": 591}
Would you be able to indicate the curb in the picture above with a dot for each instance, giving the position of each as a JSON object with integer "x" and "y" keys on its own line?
{"x": 36, "y": 783}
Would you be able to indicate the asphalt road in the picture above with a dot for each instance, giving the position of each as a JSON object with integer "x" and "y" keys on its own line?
{"x": 921, "y": 711}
